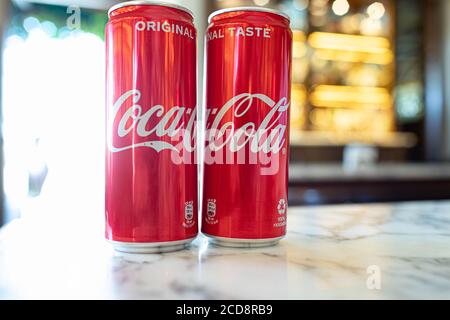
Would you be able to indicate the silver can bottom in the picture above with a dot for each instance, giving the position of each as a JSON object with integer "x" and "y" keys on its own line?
{"x": 151, "y": 247}
{"x": 243, "y": 243}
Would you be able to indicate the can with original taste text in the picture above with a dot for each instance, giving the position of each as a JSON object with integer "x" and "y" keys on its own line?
{"x": 248, "y": 87}
{"x": 151, "y": 168}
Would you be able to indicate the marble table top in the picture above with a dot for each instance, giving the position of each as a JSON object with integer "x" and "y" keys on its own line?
{"x": 376, "y": 251}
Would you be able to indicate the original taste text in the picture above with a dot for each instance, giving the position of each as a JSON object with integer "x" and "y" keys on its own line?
{"x": 257, "y": 32}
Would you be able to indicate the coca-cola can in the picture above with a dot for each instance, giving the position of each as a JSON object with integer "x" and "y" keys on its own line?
{"x": 151, "y": 169}
{"x": 248, "y": 80}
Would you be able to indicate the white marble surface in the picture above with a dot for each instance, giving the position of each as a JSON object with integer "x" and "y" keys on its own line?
{"x": 325, "y": 255}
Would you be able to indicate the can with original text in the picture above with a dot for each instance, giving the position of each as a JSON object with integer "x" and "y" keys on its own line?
{"x": 151, "y": 170}
{"x": 246, "y": 151}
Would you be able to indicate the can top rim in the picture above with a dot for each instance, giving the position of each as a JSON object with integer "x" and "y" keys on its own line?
{"x": 257, "y": 9}
{"x": 150, "y": 3}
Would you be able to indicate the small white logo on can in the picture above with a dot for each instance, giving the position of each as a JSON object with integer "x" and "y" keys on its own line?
{"x": 189, "y": 210}
{"x": 211, "y": 212}
{"x": 281, "y": 206}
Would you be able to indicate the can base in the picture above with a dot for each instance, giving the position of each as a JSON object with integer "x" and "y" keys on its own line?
{"x": 150, "y": 247}
{"x": 243, "y": 243}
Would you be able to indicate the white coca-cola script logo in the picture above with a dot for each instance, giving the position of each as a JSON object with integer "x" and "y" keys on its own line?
{"x": 269, "y": 137}
{"x": 169, "y": 123}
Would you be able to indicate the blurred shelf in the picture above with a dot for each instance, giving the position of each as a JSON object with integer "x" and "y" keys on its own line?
{"x": 323, "y": 138}
{"x": 351, "y": 48}
{"x": 383, "y": 182}
{"x": 306, "y": 173}
{"x": 333, "y": 96}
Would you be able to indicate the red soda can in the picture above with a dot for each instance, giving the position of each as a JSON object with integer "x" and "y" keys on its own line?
{"x": 248, "y": 81}
{"x": 151, "y": 172}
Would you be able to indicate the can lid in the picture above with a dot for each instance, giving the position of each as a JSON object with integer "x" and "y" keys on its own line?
{"x": 257, "y": 9}
{"x": 149, "y": 3}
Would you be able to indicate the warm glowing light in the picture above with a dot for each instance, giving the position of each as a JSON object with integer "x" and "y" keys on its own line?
{"x": 371, "y": 27}
{"x": 340, "y": 7}
{"x": 354, "y": 56}
{"x": 351, "y": 97}
{"x": 298, "y": 36}
{"x": 298, "y": 99}
{"x": 376, "y": 10}
{"x": 347, "y": 120}
{"x": 299, "y": 48}
{"x": 339, "y": 138}
{"x": 298, "y": 93}
{"x": 261, "y": 2}
{"x": 345, "y": 42}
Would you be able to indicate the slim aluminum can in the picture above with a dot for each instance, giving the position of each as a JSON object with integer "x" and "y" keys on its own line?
{"x": 151, "y": 172}
{"x": 248, "y": 82}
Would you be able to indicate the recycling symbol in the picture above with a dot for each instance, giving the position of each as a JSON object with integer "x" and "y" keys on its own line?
{"x": 281, "y": 206}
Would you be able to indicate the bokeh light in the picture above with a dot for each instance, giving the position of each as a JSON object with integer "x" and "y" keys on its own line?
{"x": 340, "y": 7}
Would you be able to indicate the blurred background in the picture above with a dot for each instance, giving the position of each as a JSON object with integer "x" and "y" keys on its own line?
{"x": 370, "y": 116}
